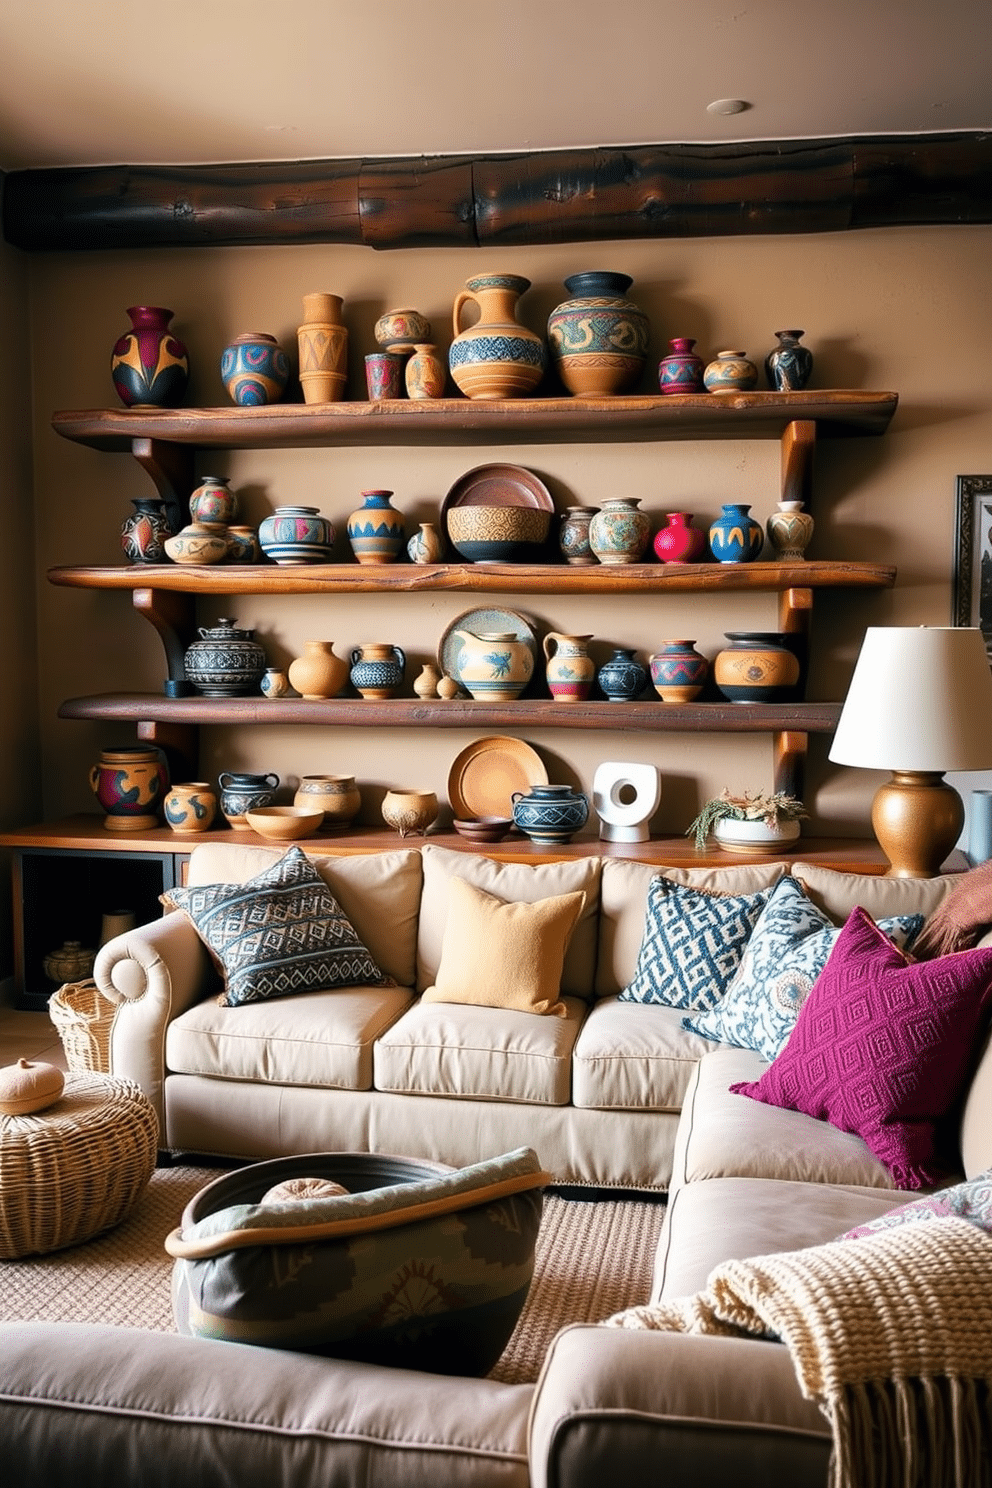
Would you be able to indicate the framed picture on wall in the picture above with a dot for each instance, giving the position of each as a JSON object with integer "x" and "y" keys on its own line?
{"x": 973, "y": 556}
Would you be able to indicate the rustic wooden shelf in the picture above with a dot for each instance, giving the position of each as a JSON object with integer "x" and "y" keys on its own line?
{"x": 459, "y": 420}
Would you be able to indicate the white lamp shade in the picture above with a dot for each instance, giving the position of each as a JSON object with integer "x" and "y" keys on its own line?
{"x": 920, "y": 699}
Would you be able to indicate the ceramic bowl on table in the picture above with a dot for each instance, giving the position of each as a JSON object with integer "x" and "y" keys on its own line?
{"x": 284, "y": 823}
{"x": 495, "y": 534}
{"x": 483, "y": 828}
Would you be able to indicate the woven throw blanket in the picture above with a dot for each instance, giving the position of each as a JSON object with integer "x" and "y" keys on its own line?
{"x": 961, "y": 920}
{"x": 890, "y": 1334}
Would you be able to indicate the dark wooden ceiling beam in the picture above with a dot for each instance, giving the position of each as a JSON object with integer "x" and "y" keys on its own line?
{"x": 650, "y": 191}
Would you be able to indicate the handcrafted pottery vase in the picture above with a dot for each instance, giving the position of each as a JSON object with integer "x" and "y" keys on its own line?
{"x": 789, "y": 366}
{"x": 149, "y": 365}
{"x": 679, "y": 542}
{"x": 573, "y": 535}
{"x": 680, "y": 370}
{"x": 225, "y": 662}
{"x": 198, "y": 542}
{"x": 735, "y": 537}
{"x": 72, "y": 962}
{"x": 448, "y": 689}
{"x": 318, "y": 673}
{"x": 254, "y": 369}
{"x": 274, "y": 683}
{"x": 619, "y": 532}
{"x": 129, "y": 783}
{"x": 730, "y": 372}
{"x": 495, "y": 665}
{"x": 789, "y": 529}
{"x": 213, "y": 500}
{"x": 497, "y": 357}
{"x": 678, "y": 671}
{"x": 144, "y": 533}
{"x": 296, "y": 534}
{"x": 550, "y": 813}
{"x": 757, "y": 667}
{"x": 377, "y": 669}
{"x": 383, "y": 376}
{"x": 337, "y": 796}
{"x": 426, "y": 545}
{"x": 597, "y": 339}
{"x": 425, "y": 684}
{"x": 243, "y": 545}
{"x": 322, "y": 341}
{"x": 425, "y": 373}
{"x": 241, "y": 791}
{"x": 191, "y": 807}
{"x": 401, "y": 330}
{"x": 622, "y": 678}
{"x": 570, "y": 669}
{"x": 409, "y": 812}
{"x": 375, "y": 530}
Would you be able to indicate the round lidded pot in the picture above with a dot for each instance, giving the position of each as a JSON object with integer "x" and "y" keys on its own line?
{"x": 240, "y": 791}
{"x": 226, "y": 661}
{"x": 757, "y": 667}
{"x": 550, "y": 814}
{"x": 598, "y": 339}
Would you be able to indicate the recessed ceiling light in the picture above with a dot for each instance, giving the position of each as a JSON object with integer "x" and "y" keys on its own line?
{"x": 727, "y": 106}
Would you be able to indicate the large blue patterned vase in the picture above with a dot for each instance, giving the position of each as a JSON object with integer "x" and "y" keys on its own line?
{"x": 598, "y": 340}
{"x": 735, "y": 537}
{"x": 497, "y": 357}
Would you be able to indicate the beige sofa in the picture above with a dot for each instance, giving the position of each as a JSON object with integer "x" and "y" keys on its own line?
{"x": 614, "y": 1094}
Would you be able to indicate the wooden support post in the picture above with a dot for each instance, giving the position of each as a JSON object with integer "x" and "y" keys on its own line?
{"x": 179, "y": 743}
{"x": 790, "y": 762}
{"x": 173, "y": 616}
{"x": 171, "y": 468}
{"x": 798, "y": 446}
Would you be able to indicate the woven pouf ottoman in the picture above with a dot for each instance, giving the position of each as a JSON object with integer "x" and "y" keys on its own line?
{"x": 76, "y": 1168}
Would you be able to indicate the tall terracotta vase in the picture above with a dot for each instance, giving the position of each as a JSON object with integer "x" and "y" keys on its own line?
{"x": 497, "y": 357}
{"x": 149, "y": 365}
{"x": 323, "y": 343}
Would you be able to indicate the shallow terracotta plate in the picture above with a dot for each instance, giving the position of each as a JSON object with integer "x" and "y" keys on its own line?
{"x": 484, "y": 777}
{"x": 497, "y": 485}
{"x": 486, "y": 622}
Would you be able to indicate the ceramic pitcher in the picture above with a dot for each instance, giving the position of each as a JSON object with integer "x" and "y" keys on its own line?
{"x": 493, "y": 665}
{"x": 570, "y": 669}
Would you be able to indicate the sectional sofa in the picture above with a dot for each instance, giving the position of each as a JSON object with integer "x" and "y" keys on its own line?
{"x": 610, "y": 1093}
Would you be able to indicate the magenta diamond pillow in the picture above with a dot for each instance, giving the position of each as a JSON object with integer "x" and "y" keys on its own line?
{"x": 882, "y": 1047}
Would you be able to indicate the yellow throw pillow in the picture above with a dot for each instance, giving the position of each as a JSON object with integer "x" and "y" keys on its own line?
{"x": 504, "y": 955}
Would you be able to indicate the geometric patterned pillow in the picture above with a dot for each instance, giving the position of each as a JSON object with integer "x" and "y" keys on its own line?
{"x": 693, "y": 943}
{"x": 280, "y": 933}
{"x": 971, "y": 1200}
{"x": 787, "y": 952}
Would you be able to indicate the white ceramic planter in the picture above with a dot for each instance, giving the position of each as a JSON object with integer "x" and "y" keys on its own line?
{"x": 754, "y": 836}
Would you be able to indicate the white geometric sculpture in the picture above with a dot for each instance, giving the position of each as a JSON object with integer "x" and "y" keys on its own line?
{"x": 625, "y": 798}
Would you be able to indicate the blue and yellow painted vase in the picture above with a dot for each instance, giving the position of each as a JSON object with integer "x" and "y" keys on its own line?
{"x": 735, "y": 537}
{"x": 375, "y": 530}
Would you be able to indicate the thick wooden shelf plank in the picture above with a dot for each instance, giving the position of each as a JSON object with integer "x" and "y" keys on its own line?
{"x": 348, "y": 712}
{"x": 764, "y": 415}
{"x": 503, "y": 578}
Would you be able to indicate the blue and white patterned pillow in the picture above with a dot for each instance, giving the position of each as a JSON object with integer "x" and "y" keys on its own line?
{"x": 971, "y": 1200}
{"x": 693, "y": 943}
{"x": 783, "y": 958}
{"x": 280, "y": 933}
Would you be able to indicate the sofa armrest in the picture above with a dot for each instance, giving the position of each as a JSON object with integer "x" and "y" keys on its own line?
{"x": 623, "y": 1406}
{"x": 152, "y": 974}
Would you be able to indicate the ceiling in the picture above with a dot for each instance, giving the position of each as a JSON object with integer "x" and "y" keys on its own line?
{"x": 195, "y": 81}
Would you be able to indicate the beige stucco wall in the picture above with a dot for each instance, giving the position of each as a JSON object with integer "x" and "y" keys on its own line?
{"x": 20, "y": 774}
{"x": 906, "y": 309}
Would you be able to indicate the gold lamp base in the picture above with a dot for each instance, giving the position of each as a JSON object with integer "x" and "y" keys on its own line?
{"x": 917, "y": 819}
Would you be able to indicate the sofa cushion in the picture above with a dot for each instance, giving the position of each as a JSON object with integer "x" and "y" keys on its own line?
{"x": 722, "y": 1135}
{"x": 635, "y": 1056}
{"x": 693, "y": 943}
{"x": 882, "y": 1048}
{"x": 724, "y": 1219}
{"x": 324, "y": 1039}
{"x": 504, "y": 955}
{"x": 782, "y": 960}
{"x": 623, "y": 908}
{"x": 837, "y": 893}
{"x": 511, "y": 882}
{"x": 379, "y": 892}
{"x": 279, "y": 933}
{"x": 438, "y": 1048}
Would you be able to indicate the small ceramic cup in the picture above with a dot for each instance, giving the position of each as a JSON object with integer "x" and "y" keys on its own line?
{"x": 384, "y": 376}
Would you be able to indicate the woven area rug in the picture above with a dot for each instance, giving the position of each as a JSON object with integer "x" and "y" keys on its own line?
{"x": 593, "y": 1258}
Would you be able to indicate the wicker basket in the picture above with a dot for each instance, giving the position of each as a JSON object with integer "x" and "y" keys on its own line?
{"x": 84, "y": 1018}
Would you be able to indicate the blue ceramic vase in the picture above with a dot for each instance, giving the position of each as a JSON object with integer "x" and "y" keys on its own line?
{"x": 735, "y": 537}
{"x": 550, "y": 813}
{"x": 622, "y": 678}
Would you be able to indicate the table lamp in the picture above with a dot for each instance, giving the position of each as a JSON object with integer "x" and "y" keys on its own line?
{"x": 919, "y": 703}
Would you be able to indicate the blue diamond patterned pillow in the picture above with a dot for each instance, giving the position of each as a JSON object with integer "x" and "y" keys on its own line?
{"x": 280, "y": 933}
{"x": 693, "y": 943}
{"x": 783, "y": 958}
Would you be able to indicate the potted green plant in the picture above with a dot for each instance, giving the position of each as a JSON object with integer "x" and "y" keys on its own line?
{"x": 752, "y": 822}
